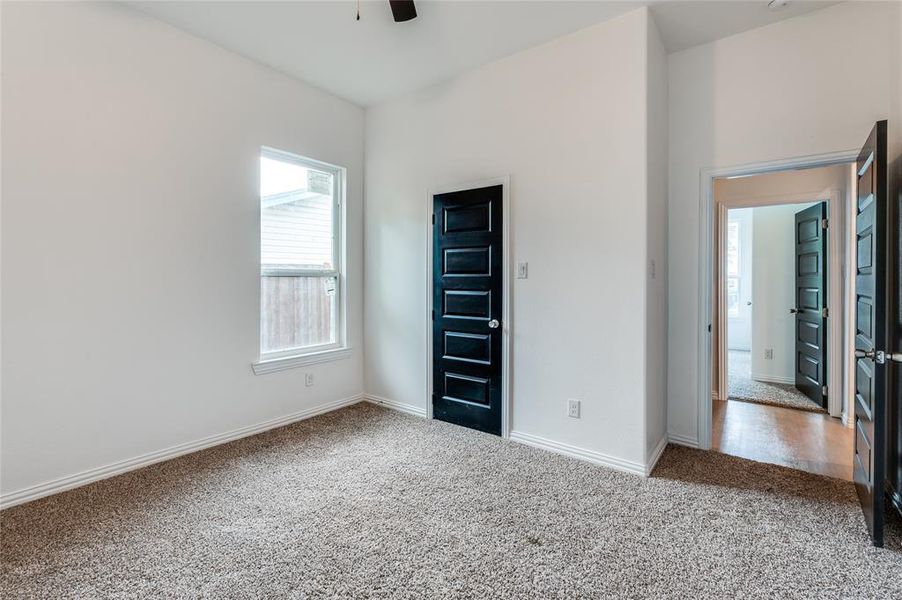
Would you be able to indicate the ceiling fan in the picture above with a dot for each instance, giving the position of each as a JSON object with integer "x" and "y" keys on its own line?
{"x": 401, "y": 10}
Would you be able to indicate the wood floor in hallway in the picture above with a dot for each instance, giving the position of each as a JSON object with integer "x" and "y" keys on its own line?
{"x": 807, "y": 441}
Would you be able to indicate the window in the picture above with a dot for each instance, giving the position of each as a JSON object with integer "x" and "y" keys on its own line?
{"x": 733, "y": 268}
{"x": 300, "y": 256}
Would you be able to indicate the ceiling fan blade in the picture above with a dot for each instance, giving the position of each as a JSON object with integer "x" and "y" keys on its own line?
{"x": 403, "y": 10}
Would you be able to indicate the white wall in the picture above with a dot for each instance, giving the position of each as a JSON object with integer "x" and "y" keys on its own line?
{"x": 656, "y": 283}
{"x": 567, "y": 121}
{"x": 130, "y": 240}
{"x": 739, "y": 326}
{"x": 768, "y": 93}
{"x": 773, "y": 257}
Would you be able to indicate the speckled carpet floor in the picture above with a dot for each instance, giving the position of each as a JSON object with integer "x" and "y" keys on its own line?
{"x": 366, "y": 502}
{"x": 742, "y": 387}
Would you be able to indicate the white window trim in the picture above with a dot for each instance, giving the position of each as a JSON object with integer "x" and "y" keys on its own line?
{"x": 291, "y": 358}
{"x": 274, "y": 365}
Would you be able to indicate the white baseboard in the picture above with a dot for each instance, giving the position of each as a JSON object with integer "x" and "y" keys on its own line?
{"x": 846, "y": 421}
{"x": 682, "y": 440}
{"x": 773, "y": 378}
{"x": 416, "y": 411}
{"x": 90, "y": 476}
{"x": 587, "y": 455}
{"x": 655, "y": 456}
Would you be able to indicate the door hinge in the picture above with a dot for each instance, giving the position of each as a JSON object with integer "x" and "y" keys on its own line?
{"x": 709, "y": 327}
{"x": 824, "y": 391}
{"x": 433, "y": 218}
{"x": 825, "y": 223}
{"x": 825, "y": 312}
{"x": 433, "y": 315}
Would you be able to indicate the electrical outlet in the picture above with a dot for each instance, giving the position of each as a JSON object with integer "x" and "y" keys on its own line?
{"x": 522, "y": 270}
{"x": 768, "y": 354}
{"x": 308, "y": 379}
{"x": 573, "y": 408}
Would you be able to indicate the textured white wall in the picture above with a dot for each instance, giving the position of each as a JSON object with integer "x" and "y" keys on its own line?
{"x": 773, "y": 291}
{"x": 130, "y": 240}
{"x": 764, "y": 94}
{"x": 567, "y": 121}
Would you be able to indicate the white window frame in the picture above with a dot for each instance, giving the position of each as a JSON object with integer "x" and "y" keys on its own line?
{"x": 738, "y": 274}
{"x": 306, "y": 355}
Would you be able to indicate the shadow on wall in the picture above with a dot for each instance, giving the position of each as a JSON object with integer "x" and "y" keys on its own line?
{"x": 684, "y": 327}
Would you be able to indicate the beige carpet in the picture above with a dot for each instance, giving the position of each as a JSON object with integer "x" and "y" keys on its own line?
{"x": 742, "y": 387}
{"x": 366, "y": 502}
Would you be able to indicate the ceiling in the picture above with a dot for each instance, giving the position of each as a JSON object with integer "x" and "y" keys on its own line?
{"x": 374, "y": 59}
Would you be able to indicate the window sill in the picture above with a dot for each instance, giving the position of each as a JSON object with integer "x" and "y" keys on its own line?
{"x": 292, "y": 362}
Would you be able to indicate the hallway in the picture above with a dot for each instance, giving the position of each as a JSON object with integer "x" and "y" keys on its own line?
{"x": 816, "y": 443}
{"x": 742, "y": 387}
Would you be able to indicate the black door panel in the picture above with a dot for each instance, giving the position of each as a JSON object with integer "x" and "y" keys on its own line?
{"x": 871, "y": 327}
{"x": 468, "y": 347}
{"x": 467, "y": 299}
{"x": 810, "y": 296}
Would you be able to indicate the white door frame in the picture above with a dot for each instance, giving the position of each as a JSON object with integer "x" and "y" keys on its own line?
{"x": 506, "y": 280}
{"x": 706, "y": 268}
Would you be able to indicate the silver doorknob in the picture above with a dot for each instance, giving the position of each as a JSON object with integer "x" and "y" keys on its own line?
{"x": 493, "y": 324}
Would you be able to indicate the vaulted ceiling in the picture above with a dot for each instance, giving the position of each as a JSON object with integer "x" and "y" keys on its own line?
{"x": 373, "y": 59}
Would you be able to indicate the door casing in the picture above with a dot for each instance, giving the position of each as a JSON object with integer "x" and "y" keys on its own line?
{"x": 506, "y": 281}
{"x": 706, "y": 288}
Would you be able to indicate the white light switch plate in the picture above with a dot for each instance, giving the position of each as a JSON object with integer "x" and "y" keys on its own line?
{"x": 522, "y": 270}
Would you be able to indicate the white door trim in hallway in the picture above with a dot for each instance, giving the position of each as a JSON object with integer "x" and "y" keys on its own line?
{"x": 706, "y": 268}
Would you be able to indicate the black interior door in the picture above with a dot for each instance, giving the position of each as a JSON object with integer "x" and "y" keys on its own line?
{"x": 811, "y": 302}
{"x": 871, "y": 327}
{"x": 467, "y": 299}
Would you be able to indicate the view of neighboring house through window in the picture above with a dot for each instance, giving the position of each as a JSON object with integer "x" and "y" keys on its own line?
{"x": 300, "y": 269}
{"x": 733, "y": 268}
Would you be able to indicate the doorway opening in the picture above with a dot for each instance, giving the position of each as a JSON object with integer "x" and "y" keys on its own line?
{"x": 869, "y": 293}
{"x": 779, "y": 319}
